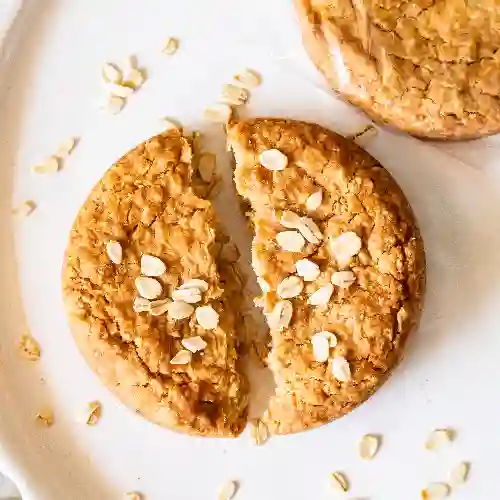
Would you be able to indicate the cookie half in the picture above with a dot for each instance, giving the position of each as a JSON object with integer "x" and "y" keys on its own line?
{"x": 340, "y": 260}
{"x": 146, "y": 229}
{"x": 428, "y": 68}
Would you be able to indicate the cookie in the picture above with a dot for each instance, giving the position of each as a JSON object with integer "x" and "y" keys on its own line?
{"x": 147, "y": 230}
{"x": 340, "y": 260}
{"x": 429, "y": 68}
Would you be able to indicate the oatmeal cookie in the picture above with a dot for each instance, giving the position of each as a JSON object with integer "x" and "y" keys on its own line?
{"x": 340, "y": 260}
{"x": 146, "y": 229}
{"x": 428, "y": 67}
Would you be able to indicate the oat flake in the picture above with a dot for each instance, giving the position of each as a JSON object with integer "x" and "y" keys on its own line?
{"x": 435, "y": 491}
{"x": 290, "y": 287}
{"x": 314, "y": 201}
{"x": 322, "y": 296}
{"x": 290, "y": 241}
{"x": 152, "y": 266}
{"x": 341, "y": 369}
{"x": 273, "y": 159}
{"x": 194, "y": 344}
{"x": 183, "y": 357}
{"x": 149, "y": 288}
{"x": 207, "y": 317}
{"x": 307, "y": 269}
{"x": 114, "y": 251}
{"x": 228, "y": 491}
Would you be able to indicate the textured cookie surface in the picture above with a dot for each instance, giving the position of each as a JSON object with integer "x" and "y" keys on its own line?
{"x": 150, "y": 203}
{"x": 366, "y": 242}
{"x": 428, "y": 67}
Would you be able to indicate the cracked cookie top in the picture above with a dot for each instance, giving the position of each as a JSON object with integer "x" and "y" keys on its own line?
{"x": 428, "y": 67}
{"x": 153, "y": 305}
{"x": 341, "y": 264}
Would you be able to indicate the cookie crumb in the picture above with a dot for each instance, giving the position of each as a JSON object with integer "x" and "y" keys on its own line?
{"x": 29, "y": 347}
{"x": 95, "y": 410}
{"x": 45, "y": 418}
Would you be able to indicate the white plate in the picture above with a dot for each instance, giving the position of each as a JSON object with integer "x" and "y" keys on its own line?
{"x": 50, "y": 91}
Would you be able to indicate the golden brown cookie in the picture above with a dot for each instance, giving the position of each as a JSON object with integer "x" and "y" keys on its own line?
{"x": 339, "y": 257}
{"x": 427, "y": 67}
{"x": 146, "y": 229}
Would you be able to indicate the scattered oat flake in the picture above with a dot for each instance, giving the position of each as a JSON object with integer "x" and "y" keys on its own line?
{"x": 273, "y": 159}
{"x": 114, "y": 251}
{"x": 24, "y": 209}
{"x": 343, "y": 279}
{"x": 459, "y": 473}
{"x": 111, "y": 73}
{"x": 129, "y": 63}
{"x": 114, "y": 104}
{"x": 369, "y": 446}
{"x": 29, "y": 347}
{"x": 341, "y": 369}
{"x": 159, "y": 307}
{"x": 307, "y": 269}
{"x": 438, "y": 438}
{"x": 171, "y": 46}
{"x": 234, "y": 95}
{"x": 49, "y": 166}
{"x": 281, "y": 315}
{"x": 152, "y": 266}
{"x": 95, "y": 410}
{"x": 259, "y": 432}
{"x": 321, "y": 347}
{"x": 228, "y": 491}
{"x": 339, "y": 481}
{"x": 248, "y": 79}
{"x": 118, "y": 90}
{"x": 195, "y": 283}
{"x": 45, "y": 417}
{"x": 180, "y": 310}
{"x": 218, "y": 113}
{"x": 134, "y": 495}
{"x": 207, "y": 317}
{"x": 290, "y": 287}
{"x": 194, "y": 344}
{"x": 66, "y": 147}
{"x": 290, "y": 241}
{"x": 183, "y": 357}
{"x": 435, "y": 491}
{"x": 206, "y": 166}
{"x": 134, "y": 79}
{"x": 321, "y": 296}
{"x": 314, "y": 201}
